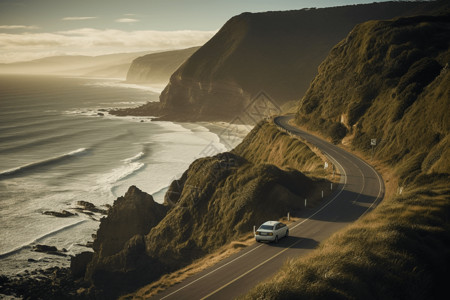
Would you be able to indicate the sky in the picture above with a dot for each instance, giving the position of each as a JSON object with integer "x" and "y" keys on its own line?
{"x": 32, "y": 29}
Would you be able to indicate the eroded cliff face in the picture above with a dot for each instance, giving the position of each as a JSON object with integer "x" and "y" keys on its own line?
{"x": 389, "y": 81}
{"x": 274, "y": 52}
{"x": 156, "y": 68}
{"x": 217, "y": 200}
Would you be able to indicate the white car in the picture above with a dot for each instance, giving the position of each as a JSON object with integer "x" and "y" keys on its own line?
{"x": 271, "y": 231}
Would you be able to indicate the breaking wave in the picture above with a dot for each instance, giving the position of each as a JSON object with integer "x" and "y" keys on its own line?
{"x": 42, "y": 163}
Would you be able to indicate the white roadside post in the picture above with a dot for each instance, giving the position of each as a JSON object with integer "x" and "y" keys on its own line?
{"x": 331, "y": 186}
{"x": 322, "y": 194}
{"x": 305, "y": 202}
{"x": 254, "y": 230}
{"x": 288, "y": 216}
{"x": 373, "y": 142}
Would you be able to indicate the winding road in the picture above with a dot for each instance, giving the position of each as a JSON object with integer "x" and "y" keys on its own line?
{"x": 360, "y": 189}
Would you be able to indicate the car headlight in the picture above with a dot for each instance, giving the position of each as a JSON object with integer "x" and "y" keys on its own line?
{"x": 270, "y": 233}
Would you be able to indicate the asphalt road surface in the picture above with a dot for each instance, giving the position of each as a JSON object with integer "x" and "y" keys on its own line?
{"x": 360, "y": 189}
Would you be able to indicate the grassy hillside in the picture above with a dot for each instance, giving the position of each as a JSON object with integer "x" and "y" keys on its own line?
{"x": 277, "y": 52}
{"x": 216, "y": 201}
{"x": 390, "y": 81}
{"x": 157, "y": 67}
{"x": 387, "y": 80}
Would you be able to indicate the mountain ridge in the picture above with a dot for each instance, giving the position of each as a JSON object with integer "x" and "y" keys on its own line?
{"x": 248, "y": 55}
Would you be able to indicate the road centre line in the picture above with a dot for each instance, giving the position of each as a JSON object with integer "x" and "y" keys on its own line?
{"x": 209, "y": 273}
{"x": 252, "y": 269}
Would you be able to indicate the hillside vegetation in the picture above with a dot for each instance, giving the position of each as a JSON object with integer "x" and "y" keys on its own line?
{"x": 277, "y": 52}
{"x": 216, "y": 201}
{"x": 387, "y": 80}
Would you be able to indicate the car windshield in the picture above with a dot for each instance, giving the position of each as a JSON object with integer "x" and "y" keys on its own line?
{"x": 266, "y": 227}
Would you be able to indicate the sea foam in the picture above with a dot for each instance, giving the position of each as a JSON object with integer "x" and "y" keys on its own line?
{"x": 134, "y": 158}
{"x": 40, "y": 238}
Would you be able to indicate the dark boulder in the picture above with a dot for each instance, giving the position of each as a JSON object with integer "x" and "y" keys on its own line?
{"x": 61, "y": 214}
{"x": 79, "y": 263}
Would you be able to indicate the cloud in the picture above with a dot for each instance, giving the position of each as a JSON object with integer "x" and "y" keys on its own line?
{"x": 77, "y": 18}
{"x": 127, "y": 20}
{"x": 18, "y": 27}
{"x": 90, "y": 41}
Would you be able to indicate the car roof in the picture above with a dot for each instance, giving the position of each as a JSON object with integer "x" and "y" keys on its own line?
{"x": 271, "y": 223}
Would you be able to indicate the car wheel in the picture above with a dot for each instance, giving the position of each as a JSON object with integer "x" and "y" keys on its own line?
{"x": 276, "y": 239}
{"x": 287, "y": 233}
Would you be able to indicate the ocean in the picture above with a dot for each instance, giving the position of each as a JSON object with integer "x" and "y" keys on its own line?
{"x": 58, "y": 146}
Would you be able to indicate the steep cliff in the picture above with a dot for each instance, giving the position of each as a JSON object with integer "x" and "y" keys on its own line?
{"x": 157, "y": 67}
{"x": 387, "y": 80}
{"x": 277, "y": 52}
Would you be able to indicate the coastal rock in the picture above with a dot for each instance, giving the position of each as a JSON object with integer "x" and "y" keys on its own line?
{"x": 49, "y": 250}
{"x": 44, "y": 248}
{"x": 79, "y": 262}
{"x": 86, "y": 207}
{"x": 61, "y": 214}
{"x": 119, "y": 251}
{"x": 52, "y": 283}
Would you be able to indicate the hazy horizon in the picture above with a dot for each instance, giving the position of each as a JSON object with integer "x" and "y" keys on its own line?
{"x": 43, "y": 28}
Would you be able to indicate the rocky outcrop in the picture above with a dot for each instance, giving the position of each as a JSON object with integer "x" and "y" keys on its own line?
{"x": 275, "y": 52}
{"x": 157, "y": 67}
{"x": 88, "y": 207}
{"x": 117, "y": 262}
{"x": 59, "y": 214}
{"x": 49, "y": 250}
{"x": 51, "y": 283}
{"x": 78, "y": 263}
